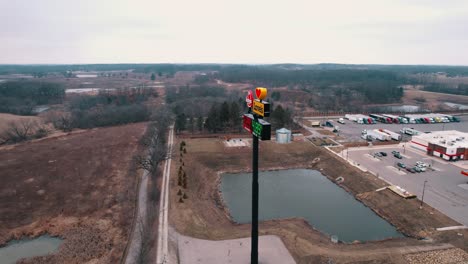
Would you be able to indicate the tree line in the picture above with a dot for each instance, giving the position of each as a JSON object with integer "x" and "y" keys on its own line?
{"x": 108, "y": 108}
{"x": 183, "y": 92}
{"x": 20, "y": 97}
{"x": 373, "y": 86}
{"x": 460, "y": 89}
{"x": 227, "y": 117}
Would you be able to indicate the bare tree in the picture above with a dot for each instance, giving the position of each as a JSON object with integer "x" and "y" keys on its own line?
{"x": 18, "y": 131}
{"x": 60, "y": 120}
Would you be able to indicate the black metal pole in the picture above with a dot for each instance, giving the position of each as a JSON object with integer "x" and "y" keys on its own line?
{"x": 254, "y": 244}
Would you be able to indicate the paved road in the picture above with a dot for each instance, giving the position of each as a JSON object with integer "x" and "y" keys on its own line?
{"x": 194, "y": 251}
{"x": 162, "y": 254}
{"x": 443, "y": 190}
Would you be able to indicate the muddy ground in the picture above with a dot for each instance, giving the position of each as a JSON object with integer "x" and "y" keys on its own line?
{"x": 203, "y": 215}
{"x": 80, "y": 187}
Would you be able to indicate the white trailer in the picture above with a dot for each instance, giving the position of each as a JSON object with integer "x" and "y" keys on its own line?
{"x": 351, "y": 117}
{"x": 410, "y": 131}
{"x": 393, "y": 135}
{"x": 355, "y": 118}
{"x": 376, "y": 134}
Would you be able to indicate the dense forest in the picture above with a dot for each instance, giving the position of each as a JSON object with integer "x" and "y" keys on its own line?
{"x": 366, "y": 86}
{"x": 19, "y": 97}
{"x": 106, "y": 109}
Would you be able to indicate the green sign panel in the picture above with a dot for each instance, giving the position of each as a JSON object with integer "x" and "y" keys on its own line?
{"x": 261, "y": 129}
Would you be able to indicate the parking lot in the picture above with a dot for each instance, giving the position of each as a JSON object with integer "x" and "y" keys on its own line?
{"x": 351, "y": 131}
{"x": 446, "y": 189}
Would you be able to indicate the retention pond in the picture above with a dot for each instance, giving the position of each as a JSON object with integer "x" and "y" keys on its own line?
{"x": 307, "y": 194}
{"x": 27, "y": 248}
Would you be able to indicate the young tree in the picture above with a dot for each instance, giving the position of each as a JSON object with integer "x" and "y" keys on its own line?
{"x": 224, "y": 114}
{"x": 235, "y": 116}
{"x": 213, "y": 121}
{"x": 153, "y": 77}
{"x": 200, "y": 123}
{"x": 191, "y": 124}
{"x": 181, "y": 122}
{"x": 281, "y": 117}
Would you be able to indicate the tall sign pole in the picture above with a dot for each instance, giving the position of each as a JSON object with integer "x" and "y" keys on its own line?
{"x": 261, "y": 130}
{"x": 254, "y": 242}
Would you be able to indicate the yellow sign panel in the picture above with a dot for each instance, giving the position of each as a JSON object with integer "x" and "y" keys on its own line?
{"x": 261, "y": 108}
{"x": 261, "y": 93}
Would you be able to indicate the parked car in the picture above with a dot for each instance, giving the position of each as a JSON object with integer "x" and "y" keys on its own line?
{"x": 395, "y": 152}
{"x": 421, "y": 164}
{"x": 417, "y": 169}
{"x": 422, "y": 168}
{"x": 412, "y": 170}
{"x": 401, "y": 165}
{"x": 398, "y": 155}
{"x": 383, "y": 153}
{"x": 377, "y": 154}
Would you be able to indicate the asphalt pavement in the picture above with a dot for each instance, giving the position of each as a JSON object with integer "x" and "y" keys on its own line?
{"x": 444, "y": 188}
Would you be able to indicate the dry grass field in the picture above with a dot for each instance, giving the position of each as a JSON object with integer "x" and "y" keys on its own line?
{"x": 5, "y": 119}
{"x": 79, "y": 186}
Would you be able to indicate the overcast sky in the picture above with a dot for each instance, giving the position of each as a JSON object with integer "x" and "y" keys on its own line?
{"x": 234, "y": 31}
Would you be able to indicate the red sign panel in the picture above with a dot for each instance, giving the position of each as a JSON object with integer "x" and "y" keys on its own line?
{"x": 249, "y": 98}
{"x": 247, "y": 124}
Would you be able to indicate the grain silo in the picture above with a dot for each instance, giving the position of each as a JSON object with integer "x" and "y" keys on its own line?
{"x": 283, "y": 136}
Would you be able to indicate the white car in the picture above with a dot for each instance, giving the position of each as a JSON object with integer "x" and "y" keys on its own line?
{"x": 421, "y": 164}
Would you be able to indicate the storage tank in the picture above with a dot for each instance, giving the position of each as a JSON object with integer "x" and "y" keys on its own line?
{"x": 283, "y": 136}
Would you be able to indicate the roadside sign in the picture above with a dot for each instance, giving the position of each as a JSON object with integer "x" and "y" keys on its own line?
{"x": 261, "y": 93}
{"x": 249, "y": 99}
{"x": 261, "y": 108}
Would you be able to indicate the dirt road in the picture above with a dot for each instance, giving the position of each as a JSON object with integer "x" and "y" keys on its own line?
{"x": 134, "y": 248}
{"x": 162, "y": 249}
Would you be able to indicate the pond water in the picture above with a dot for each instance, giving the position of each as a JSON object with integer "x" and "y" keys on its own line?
{"x": 396, "y": 108}
{"x": 86, "y": 75}
{"x": 307, "y": 194}
{"x": 457, "y": 106}
{"x": 27, "y": 248}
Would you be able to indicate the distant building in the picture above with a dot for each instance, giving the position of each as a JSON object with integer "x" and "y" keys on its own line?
{"x": 448, "y": 145}
{"x": 283, "y": 136}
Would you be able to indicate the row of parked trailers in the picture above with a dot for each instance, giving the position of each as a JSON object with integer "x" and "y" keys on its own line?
{"x": 406, "y": 119}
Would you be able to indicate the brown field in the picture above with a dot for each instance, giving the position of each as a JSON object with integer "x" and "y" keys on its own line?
{"x": 432, "y": 100}
{"x": 5, "y": 119}
{"x": 80, "y": 187}
{"x": 204, "y": 216}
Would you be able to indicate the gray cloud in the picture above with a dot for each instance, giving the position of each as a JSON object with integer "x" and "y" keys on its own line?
{"x": 242, "y": 31}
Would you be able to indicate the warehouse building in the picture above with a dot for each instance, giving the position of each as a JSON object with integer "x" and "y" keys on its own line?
{"x": 448, "y": 145}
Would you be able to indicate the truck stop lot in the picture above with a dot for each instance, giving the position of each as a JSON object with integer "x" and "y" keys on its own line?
{"x": 446, "y": 188}
{"x": 352, "y": 130}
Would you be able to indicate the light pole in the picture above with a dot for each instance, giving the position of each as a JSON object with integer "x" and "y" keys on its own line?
{"x": 422, "y": 198}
